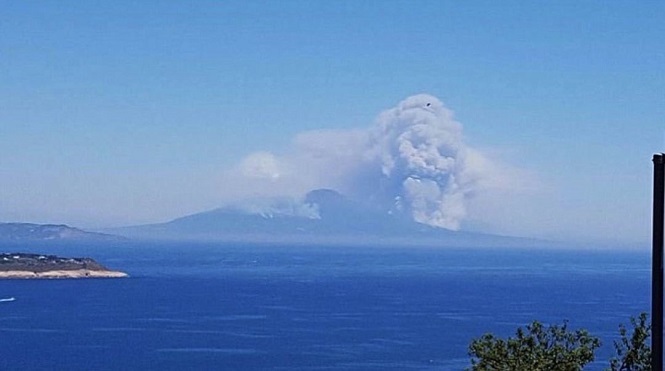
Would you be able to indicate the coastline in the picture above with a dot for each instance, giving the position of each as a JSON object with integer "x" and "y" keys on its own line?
{"x": 61, "y": 274}
{"x": 30, "y": 265}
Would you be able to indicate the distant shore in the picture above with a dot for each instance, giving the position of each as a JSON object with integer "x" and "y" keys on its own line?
{"x": 59, "y": 274}
{"x": 23, "y": 265}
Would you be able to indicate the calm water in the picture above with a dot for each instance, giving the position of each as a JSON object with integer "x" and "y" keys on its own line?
{"x": 233, "y": 307}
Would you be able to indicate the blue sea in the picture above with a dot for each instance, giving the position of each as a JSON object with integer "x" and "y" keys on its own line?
{"x": 259, "y": 307}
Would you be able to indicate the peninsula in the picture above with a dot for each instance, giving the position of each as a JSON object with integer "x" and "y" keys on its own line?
{"x": 24, "y": 265}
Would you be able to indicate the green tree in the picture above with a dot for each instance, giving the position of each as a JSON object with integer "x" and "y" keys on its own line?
{"x": 634, "y": 353}
{"x": 537, "y": 348}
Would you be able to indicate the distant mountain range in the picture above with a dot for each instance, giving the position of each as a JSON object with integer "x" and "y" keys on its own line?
{"x": 324, "y": 216}
{"x": 49, "y": 232}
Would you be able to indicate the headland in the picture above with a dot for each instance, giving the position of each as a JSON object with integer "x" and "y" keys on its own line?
{"x": 25, "y": 265}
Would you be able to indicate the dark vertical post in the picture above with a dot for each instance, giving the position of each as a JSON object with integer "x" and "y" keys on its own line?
{"x": 657, "y": 263}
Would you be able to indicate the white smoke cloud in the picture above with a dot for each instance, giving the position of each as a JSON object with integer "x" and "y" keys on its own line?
{"x": 422, "y": 157}
{"x": 261, "y": 165}
{"x": 280, "y": 206}
{"x": 412, "y": 161}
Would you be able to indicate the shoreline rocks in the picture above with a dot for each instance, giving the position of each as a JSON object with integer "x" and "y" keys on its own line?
{"x": 26, "y": 266}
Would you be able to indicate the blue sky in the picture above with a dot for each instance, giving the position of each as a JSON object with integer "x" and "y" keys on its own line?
{"x": 119, "y": 112}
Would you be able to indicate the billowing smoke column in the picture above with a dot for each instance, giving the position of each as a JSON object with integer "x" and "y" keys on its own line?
{"x": 413, "y": 162}
{"x": 419, "y": 148}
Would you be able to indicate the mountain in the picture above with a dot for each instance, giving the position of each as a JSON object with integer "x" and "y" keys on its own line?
{"x": 324, "y": 216}
{"x": 49, "y": 232}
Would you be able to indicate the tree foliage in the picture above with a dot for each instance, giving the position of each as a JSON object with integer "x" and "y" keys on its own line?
{"x": 555, "y": 348}
{"x": 634, "y": 352}
{"x": 538, "y": 348}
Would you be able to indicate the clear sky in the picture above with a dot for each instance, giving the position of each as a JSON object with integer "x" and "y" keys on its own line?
{"x": 122, "y": 112}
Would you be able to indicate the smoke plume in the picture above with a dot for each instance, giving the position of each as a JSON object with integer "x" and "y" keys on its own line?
{"x": 412, "y": 162}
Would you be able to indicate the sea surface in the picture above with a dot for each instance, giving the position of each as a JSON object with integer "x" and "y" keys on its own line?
{"x": 258, "y": 307}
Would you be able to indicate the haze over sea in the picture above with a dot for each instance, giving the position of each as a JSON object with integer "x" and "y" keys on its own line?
{"x": 260, "y": 307}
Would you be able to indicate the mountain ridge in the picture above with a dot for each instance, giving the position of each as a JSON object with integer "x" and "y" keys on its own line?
{"x": 322, "y": 216}
{"x": 18, "y": 232}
